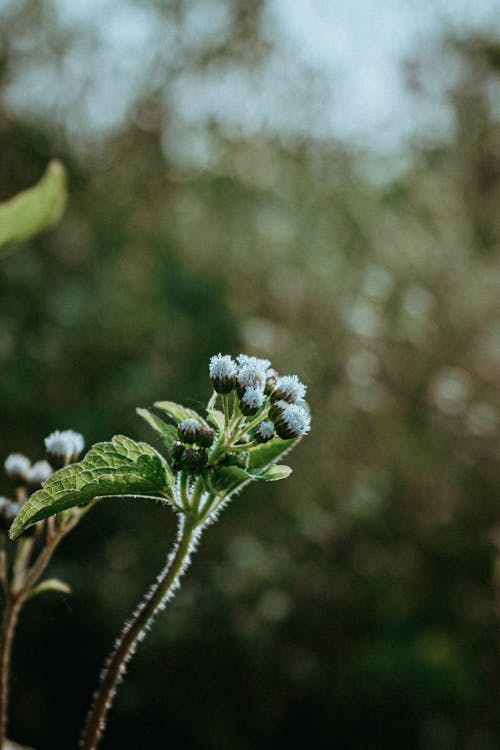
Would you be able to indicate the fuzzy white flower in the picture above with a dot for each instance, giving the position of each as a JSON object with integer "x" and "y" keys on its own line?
{"x": 253, "y": 398}
{"x": 293, "y": 421}
{"x": 264, "y": 432}
{"x": 222, "y": 366}
{"x": 17, "y": 465}
{"x": 244, "y": 360}
{"x": 222, "y": 370}
{"x": 251, "y": 376}
{"x": 39, "y": 472}
{"x": 65, "y": 444}
{"x": 289, "y": 388}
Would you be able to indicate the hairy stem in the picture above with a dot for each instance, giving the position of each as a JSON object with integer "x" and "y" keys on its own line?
{"x": 11, "y": 613}
{"x": 135, "y": 629}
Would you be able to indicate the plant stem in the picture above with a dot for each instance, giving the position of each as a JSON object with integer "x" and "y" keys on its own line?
{"x": 134, "y": 630}
{"x": 23, "y": 582}
{"x": 11, "y": 613}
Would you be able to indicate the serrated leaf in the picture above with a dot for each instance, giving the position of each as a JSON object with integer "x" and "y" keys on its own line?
{"x": 276, "y": 472}
{"x": 34, "y": 209}
{"x": 268, "y": 453}
{"x": 51, "y": 584}
{"x": 216, "y": 419}
{"x": 119, "y": 467}
{"x": 178, "y": 412}
{"x": 167, "y": 432}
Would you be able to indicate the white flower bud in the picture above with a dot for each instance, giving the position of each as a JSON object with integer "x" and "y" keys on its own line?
{"x": 17, "y": 466}
{"x": 289, "y": 388}
{"x": 222, "y": 370}
{"x": 252, "y": 400}
{"x": 292, "y": 422}
{"x": 264, "y": 432}
{"x": 39, "y": 473}
{"x": 65, "y": 445}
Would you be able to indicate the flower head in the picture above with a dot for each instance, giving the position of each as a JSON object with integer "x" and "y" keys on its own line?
{"x": 17, "y": 466}
{"x": 244, "y": 360}
{"x": 289, "y": 388}
{"x": 251, "y": 401}
{"x": 292, "y": 422}
{"x": 64, "y": 445}
{"x": 264, "y": 432}
{"x": 222, "y": 370}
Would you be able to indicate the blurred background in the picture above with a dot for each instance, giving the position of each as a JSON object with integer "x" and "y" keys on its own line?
{"x": 314, "y": 182}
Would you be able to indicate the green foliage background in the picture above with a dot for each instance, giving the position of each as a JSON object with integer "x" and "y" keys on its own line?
{"x": 356, "y": 604}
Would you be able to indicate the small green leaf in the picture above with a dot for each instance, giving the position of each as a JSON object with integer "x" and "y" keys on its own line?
{"x": 216, "y": 419}
{"x": 268, "y": 453}
{"x": 276, "y": 472}
{"x": 35, "y": 209}
{"x": 167, "y": 432}
{"x": 178, "y": 412}
{"x": 227, "y": 478}
{"x": 120, "y": 467}
{"x": 51, "y": 584}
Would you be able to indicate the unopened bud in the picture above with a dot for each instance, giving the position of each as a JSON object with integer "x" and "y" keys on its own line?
{"x": 188, "y": 430}
{"x": 205, "y": 437}
{"x": 194, "y": 460}
{"x": 176, "y": 450}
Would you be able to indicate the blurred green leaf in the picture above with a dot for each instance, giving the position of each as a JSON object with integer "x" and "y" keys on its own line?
{"x": 275, "y": 473}
{"x": 167, "y": 432}
{"x": 36, "y": 208}
{"x": 178, "y": 412}
{"x": 120, "y": 467}
{"x": 51, "y": 584}
{"x": 231, "y": 478}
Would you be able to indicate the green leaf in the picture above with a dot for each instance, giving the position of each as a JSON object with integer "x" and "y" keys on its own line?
{"x": 276, "y": 472}
{"x": 167, "y": 432}
{"x": 228, "y": 478}
{"x": 178, "y": 412}
{"x": 269, "y": 453}
{"x": 120, "y": 467}
{"x": 35, "y": 209}
{"x": 216, "y": 419}
{"x": 51, "y": 584}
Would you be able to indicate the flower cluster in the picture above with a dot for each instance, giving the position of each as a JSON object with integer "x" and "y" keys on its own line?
{"x": 185, "y": 454}
{"x": 258, "y": 406}
{"x": 260, "y": 389}
{"x": 62, "y": 448}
